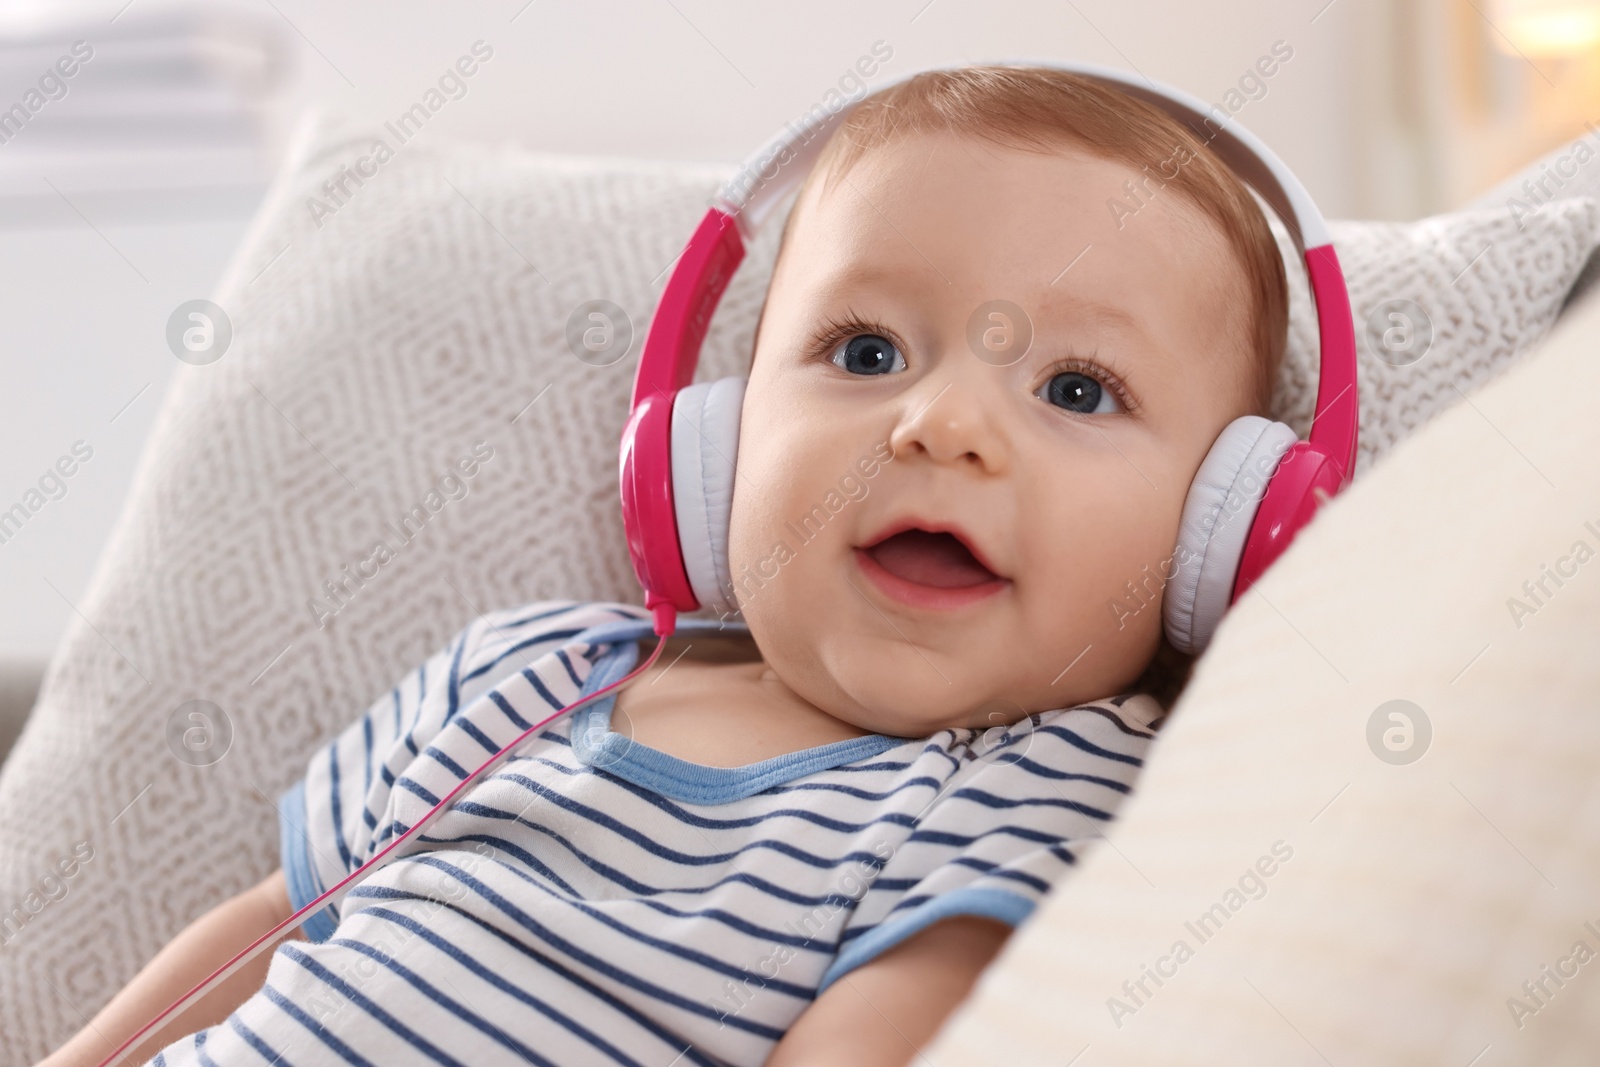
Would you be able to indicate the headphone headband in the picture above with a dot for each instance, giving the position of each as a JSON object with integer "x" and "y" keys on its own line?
{"x": 751, "y": 198}
{"x": 1308, "y": 474}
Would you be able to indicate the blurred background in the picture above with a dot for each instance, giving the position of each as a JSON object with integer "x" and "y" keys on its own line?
{"x": 126, "y": 183}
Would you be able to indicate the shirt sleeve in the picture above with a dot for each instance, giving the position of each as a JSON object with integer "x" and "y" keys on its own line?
{"x": 1005, "y": 827}
{"x": 337, "y": 817}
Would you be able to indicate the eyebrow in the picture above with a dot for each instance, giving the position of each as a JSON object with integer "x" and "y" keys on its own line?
{"x": 1056, "y": 302}
{"x": 852, "y": 276}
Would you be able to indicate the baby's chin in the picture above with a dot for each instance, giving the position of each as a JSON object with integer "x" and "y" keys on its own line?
{"x": 893, "y": 687}
{"x": 909, "y": 692}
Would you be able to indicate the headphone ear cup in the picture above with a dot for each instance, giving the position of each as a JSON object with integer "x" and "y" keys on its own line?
{"x": 1217, "y": 516}
{"x": 705, "y": 447}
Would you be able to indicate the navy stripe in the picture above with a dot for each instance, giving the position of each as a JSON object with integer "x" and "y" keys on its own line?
{"x": 734, "y": 922}
{"x": 1062, "y": 853}
{"x": 1116, "y": 720}
{"x": 447, "y": 763}
{"x": 643, "y": 840}
{"x": 472, "y": 731}
{"x": 200, "y": 1050}
{"x": 1033, "y": 882}
{"x": 366, "y": 753}
{"x": 366, "y": 1004}
{"x": 322, "y": 1033}
{"x": 893, "y": 818}
{"x": 567, "y": 663}
{"x": 892, "y": 885}
{"x": 1040, "y": 770}
{"x": 555, "y": 702}
{"x": 941, "y": 837}
{"x": 488, "y": 655}
{"x": 429, "y": 990}
{"x": 487, "y": 975}
{"x": 563, "y": 607}
{"x": 612, "y": 972}
{"x": 618, "y": 878}
{"x": 338, "y": 820}
{"x": 541, "y": 639}
{"x": 422, "y": 695}
{"x": 1088, "y": 746}
{"x": 454, "y": 678}
{"x": 509, "y": 712}
{"x": 249, "y": 1037}
{"x": 405, "y": 782}
{"x": 570, "y": 976}
{"x": 876, "y": 765}
{"x": 989, "y": 800}
{"x": 922, "y": 780}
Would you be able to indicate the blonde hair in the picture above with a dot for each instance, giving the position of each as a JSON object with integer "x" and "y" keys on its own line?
{"x": 1039, "y": 109}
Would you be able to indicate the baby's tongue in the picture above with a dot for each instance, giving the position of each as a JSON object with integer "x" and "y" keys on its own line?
{"x": 935, "y": 559}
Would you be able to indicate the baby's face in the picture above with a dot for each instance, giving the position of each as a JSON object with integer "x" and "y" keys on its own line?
{"x": 1065, "y": 471}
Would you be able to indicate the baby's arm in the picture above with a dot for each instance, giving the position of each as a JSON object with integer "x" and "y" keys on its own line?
{"x": 206, "y": 944}
{"x": 883, "y": 1013}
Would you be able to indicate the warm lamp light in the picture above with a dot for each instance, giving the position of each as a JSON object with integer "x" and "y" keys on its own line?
{"x": 1547, "y": 27}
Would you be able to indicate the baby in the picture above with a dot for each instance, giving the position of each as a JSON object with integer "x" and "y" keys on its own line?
{"x": 799, "y": 839}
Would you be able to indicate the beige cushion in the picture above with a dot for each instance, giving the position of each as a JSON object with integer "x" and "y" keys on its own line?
{"x": 1417, "y": 898}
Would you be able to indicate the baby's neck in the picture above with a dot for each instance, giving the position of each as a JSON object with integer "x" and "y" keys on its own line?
{"x": 711, "y": 699}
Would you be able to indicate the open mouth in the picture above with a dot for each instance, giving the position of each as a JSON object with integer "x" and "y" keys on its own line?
{"x": 928, "y": 569}
{"x": 927, "y": 558}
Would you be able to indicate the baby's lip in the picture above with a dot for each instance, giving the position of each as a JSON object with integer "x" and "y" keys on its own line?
{"x": 913, "y": 522}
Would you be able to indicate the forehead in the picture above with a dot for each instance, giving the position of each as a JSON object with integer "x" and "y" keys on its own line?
{"x": 873, "y": 275}
{"x": 945, "y": 221}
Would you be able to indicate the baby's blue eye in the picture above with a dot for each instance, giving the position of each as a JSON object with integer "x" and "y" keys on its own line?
{"x": 1080, "y": 393}
{"x": 866, "y": 353}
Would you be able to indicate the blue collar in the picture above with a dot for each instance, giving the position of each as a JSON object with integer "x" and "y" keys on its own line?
{"x": 596, "y": 745}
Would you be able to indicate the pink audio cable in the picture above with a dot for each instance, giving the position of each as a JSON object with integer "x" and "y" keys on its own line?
{"x": 664, "y": 622}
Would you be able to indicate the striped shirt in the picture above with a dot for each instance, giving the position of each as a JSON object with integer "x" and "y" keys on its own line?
{"x": 596, "y": 900}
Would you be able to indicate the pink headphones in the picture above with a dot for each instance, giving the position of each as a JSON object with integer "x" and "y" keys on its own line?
{"x": 1258, "y": 486}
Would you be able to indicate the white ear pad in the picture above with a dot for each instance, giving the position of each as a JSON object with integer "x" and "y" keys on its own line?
{"x": 1217, "y": 515}
{"x": 705, "y": 445}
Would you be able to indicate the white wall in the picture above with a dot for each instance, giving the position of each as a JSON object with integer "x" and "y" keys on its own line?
{"x": 81, "y": 333}
{"x": 709, "y": 79}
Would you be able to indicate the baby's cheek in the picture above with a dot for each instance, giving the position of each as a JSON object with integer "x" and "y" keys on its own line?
{"x": 769, "y": 560}
{"x": 1087, "y": 646}
{"x": 1092, "y": 611}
